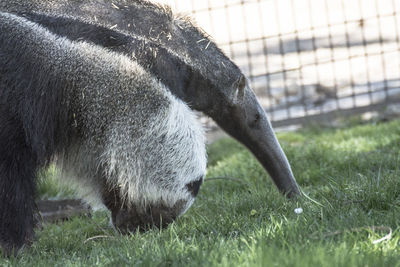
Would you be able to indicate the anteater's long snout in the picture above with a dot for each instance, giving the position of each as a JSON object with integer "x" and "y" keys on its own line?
{"x": 245, "y": 120}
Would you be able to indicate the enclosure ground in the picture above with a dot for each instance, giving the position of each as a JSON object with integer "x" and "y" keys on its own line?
{"x": 351, "y": 216}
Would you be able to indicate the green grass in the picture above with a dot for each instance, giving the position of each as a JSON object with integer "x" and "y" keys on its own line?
{"x": 352, "y": 172}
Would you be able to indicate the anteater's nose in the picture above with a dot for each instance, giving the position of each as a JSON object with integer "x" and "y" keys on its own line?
{"x": 194, "y": 186}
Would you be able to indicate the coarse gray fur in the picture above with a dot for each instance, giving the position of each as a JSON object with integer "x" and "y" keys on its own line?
{"x": 210, "y": 70}
{"x": 181, "y": 55}
{"x": 172, "y": 49}
{"x": 117, "y": 127}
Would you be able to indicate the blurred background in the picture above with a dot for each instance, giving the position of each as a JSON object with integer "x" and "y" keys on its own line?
{"x": 309, "y": 60}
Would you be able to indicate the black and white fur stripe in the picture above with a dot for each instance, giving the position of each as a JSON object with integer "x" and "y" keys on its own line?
{"x": 102, "y": 116}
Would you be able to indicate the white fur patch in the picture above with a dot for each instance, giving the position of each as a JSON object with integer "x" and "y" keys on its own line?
{"x": 153, "y": 168}
{"x": 156, "y": 166}
{"x": 151, "y": 152}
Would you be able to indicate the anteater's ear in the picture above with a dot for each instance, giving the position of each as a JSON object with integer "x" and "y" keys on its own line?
{"x": 239, "y": 87}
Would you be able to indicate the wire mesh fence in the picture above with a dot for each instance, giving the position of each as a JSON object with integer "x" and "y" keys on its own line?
{"x": 309, "y": 59}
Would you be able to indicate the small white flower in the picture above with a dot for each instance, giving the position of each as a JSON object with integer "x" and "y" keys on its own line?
{"x": 298, "y": 210}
